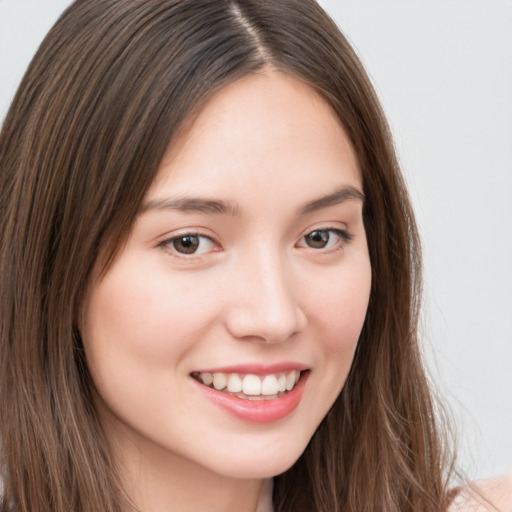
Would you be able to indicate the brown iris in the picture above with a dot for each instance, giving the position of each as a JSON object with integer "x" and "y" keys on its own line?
{"x": 317, "y": 239}
{"x": 187, "y": 244}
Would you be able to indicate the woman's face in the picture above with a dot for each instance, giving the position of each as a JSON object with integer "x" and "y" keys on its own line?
{"x": 248, "y": 265}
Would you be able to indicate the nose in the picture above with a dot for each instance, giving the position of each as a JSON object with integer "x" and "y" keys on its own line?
{"x": 263, "y": 304}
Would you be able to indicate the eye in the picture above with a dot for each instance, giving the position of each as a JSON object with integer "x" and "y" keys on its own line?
{"x": 190, "y": 243}
{"x": 324, "y": 238}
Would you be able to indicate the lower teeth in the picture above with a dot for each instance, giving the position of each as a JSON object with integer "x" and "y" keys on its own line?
{"x": 252, "y": 397}
{"x": 259, "y": 397}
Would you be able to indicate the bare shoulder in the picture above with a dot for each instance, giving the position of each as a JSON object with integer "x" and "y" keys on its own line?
{"x": 492, "y": 495}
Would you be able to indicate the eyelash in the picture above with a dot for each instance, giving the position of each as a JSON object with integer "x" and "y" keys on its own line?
{"x": 169, "y": 244}
{"x": 344, "y": 238}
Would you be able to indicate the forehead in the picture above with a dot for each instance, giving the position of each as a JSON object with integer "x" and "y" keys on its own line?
{"x": 264, "y": 129}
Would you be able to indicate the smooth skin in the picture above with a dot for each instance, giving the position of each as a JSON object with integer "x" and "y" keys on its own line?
{"x": 250, "y": 249}
{"x": 492, "y": 495}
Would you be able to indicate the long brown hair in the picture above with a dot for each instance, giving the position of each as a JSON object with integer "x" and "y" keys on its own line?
{"x": 109, "y": 87}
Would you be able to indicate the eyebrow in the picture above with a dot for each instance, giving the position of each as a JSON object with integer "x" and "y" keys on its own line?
{"x": 339, "y": 196}
{"x": 212, "y": 206}
{"x": 194, "y": 204}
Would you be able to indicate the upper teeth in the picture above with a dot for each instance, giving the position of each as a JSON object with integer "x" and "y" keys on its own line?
{"x": 251, "y": 384}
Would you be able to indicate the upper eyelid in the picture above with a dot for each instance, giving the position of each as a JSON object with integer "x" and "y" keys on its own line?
{"x": 342, "y": 233}
{"x": 167, "y": 240}
{"x": 329, "y": 227}
{"x": 185, "y": 232}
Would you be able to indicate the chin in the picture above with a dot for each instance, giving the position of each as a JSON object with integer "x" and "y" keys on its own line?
{"x": 259, "y": 463}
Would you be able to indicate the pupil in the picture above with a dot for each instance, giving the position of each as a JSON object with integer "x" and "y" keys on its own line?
{"x": 187, "y": 244}
{"x": 318, "y": 239}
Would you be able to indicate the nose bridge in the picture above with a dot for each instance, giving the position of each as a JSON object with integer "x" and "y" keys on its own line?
{"x": 266, "y": 305}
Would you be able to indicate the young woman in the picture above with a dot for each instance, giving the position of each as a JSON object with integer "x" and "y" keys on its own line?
{"x": 210, "y": 272}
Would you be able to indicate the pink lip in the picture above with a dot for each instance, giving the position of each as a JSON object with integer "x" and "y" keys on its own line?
{"x": 256, "y": 411}
{"x": 257, "y": 369}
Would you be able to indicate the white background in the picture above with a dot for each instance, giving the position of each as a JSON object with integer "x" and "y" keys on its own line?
{"x": 443, "y": 69}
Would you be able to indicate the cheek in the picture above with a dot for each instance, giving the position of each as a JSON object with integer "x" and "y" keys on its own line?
{"x": 340, "y": 307}
{"x": 138, "y": 331}
{"x": 135, "y": 329}
{"x": 143, "y": 314}
{"x": 339, "y": 312}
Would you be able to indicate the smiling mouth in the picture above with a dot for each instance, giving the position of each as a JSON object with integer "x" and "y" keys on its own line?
{"x": 250, "y": 386}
